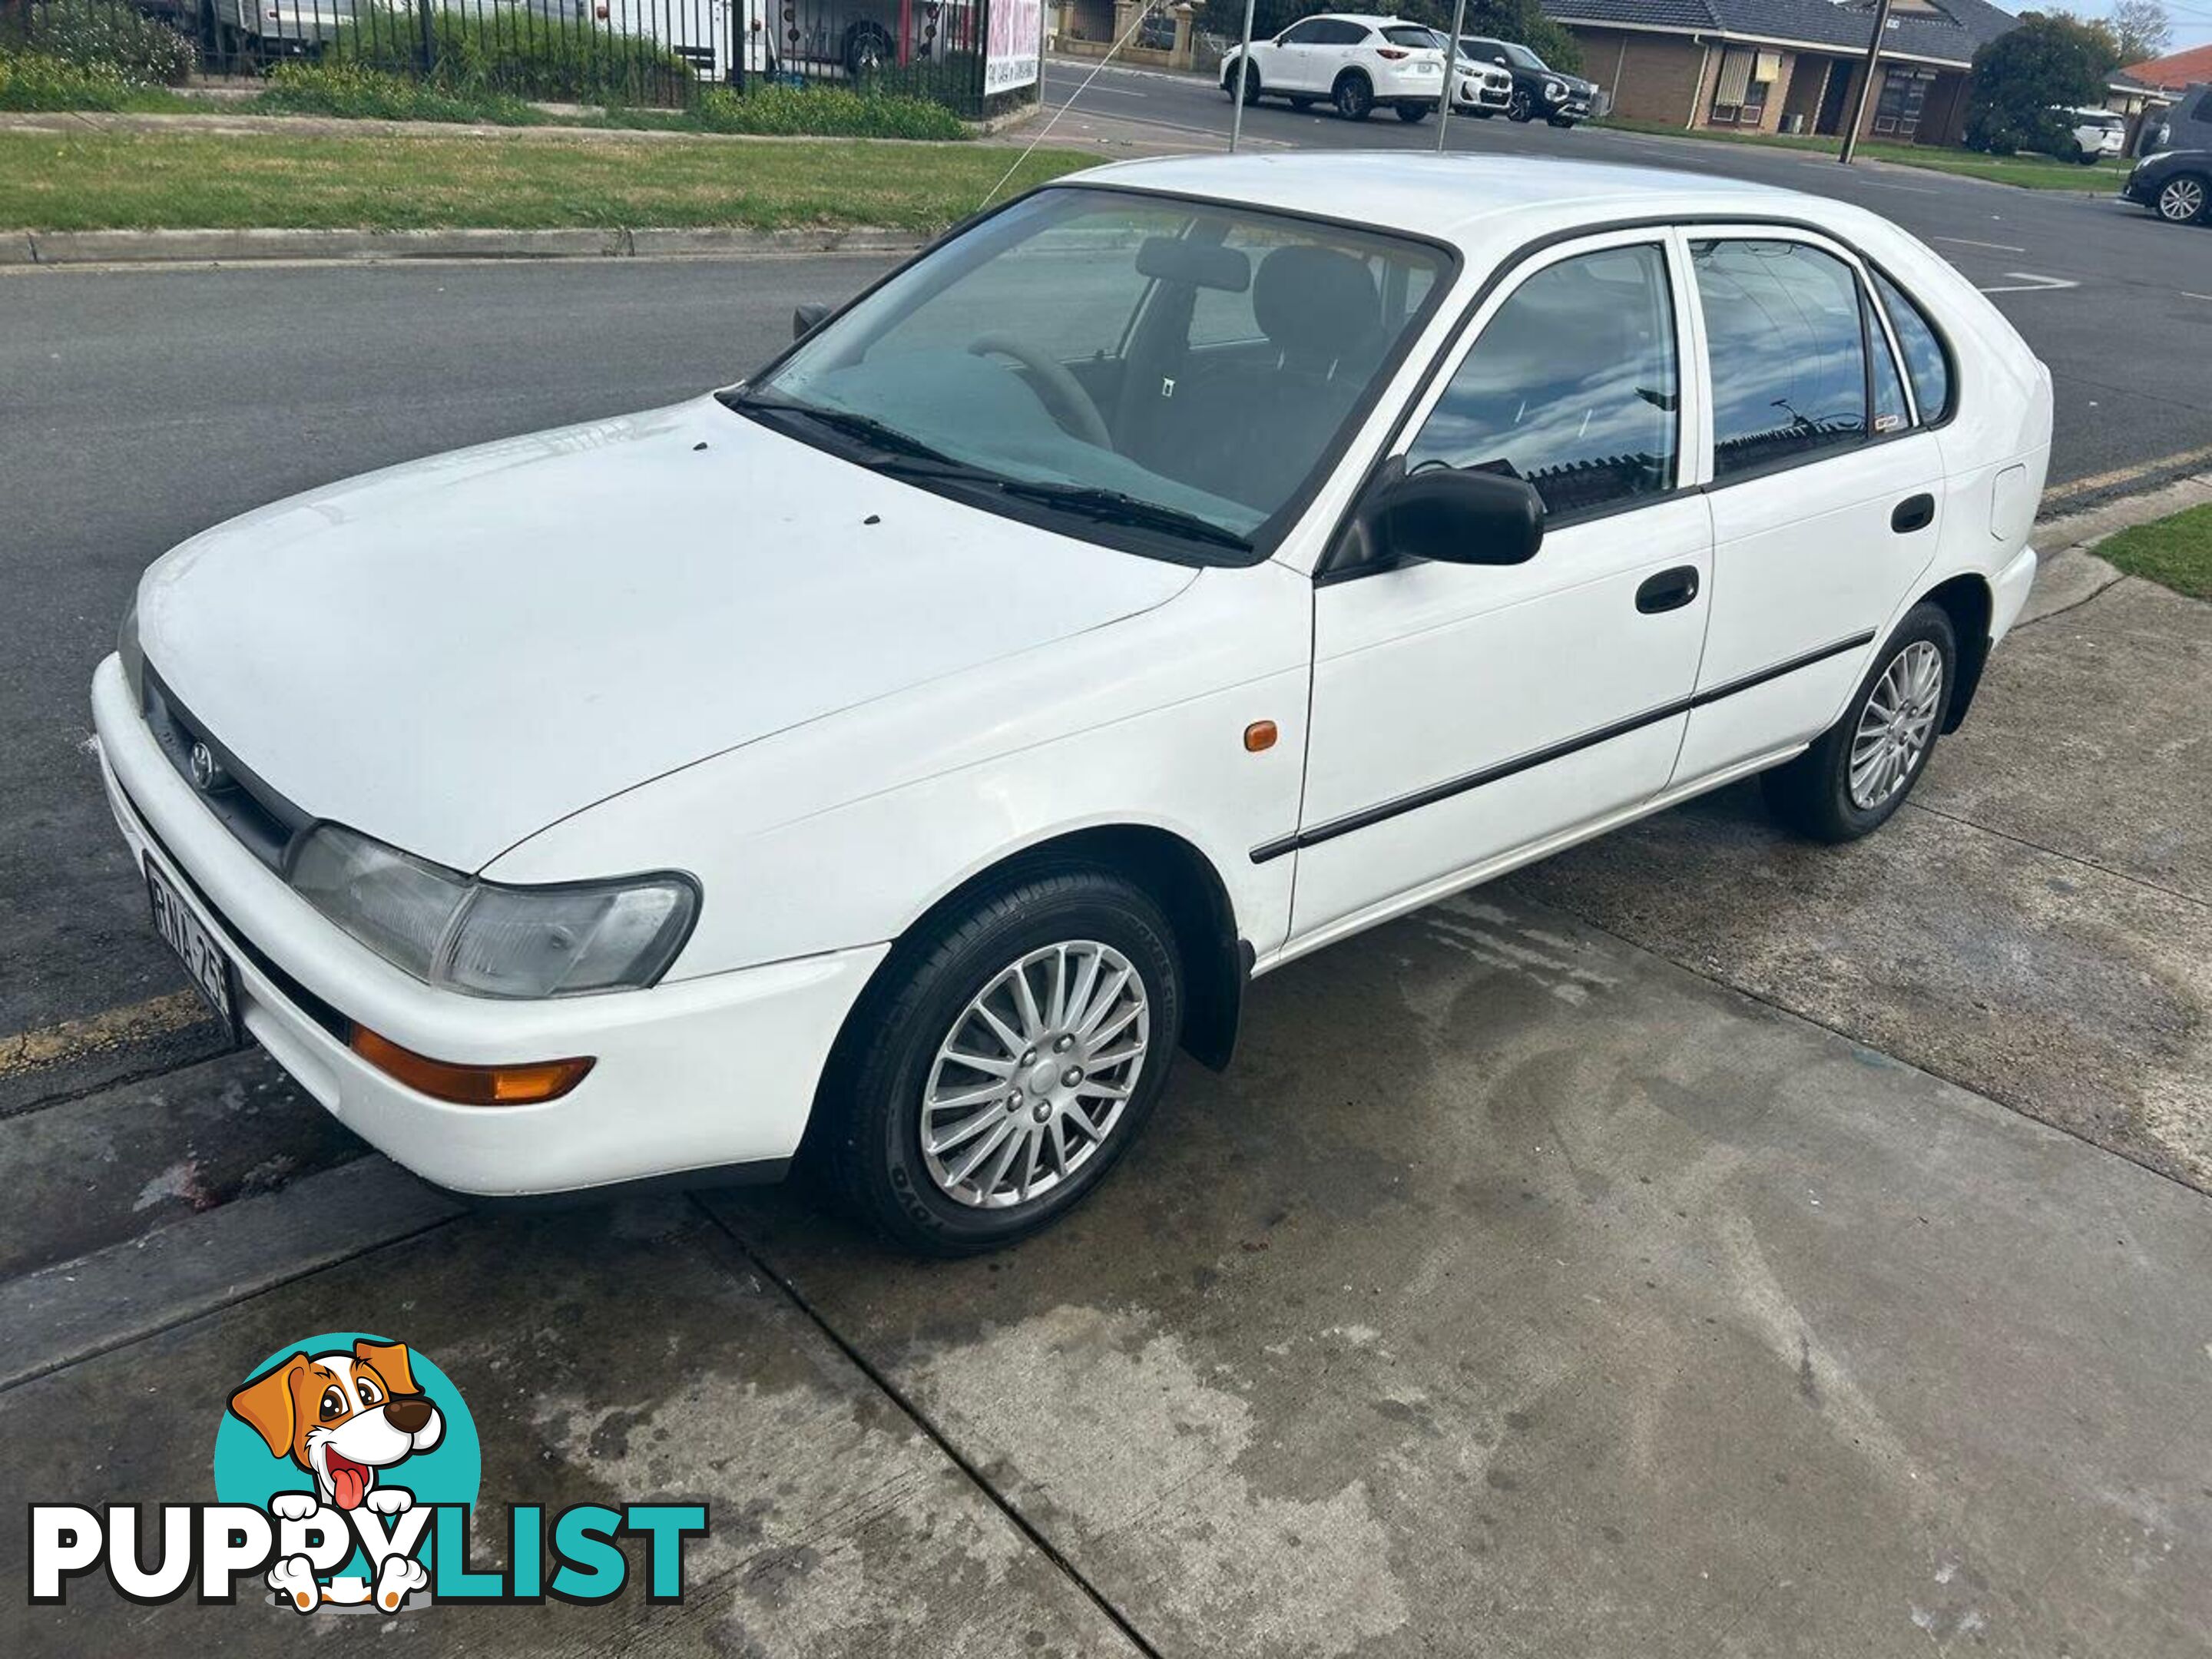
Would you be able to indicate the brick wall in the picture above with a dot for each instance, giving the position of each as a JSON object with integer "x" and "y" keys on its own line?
{"x": 1652, "y": 77}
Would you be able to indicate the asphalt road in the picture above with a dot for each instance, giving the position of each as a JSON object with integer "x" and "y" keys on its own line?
{"x": 2118, "y": 304}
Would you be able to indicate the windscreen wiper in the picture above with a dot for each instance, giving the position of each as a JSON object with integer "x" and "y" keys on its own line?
{"x": 866, "y": 428}
{"x": 1114, "y": 507}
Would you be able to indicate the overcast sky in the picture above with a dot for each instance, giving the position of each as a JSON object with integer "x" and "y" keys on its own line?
{"x": 2192, "y": 19}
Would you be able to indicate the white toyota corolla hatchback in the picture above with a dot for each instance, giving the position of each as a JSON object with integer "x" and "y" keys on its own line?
{"x": 1182, "y": 568}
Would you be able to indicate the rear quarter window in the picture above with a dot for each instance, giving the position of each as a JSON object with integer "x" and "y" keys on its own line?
{"x": 1925, "y": 361}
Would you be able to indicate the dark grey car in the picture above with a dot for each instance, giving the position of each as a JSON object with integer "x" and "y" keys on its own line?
{"x": 2187, "y": 124}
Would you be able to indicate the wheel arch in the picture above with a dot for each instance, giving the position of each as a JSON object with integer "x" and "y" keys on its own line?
{"x": 1967, "y": 601}
{"x": 1215, "y": 960}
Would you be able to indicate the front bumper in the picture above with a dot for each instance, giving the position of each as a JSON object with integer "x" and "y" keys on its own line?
{"x": 1478, "y": 94}
{"x": 695, "y": 1075}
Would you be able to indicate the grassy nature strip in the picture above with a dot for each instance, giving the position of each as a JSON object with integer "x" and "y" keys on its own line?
{"x": 31, "y": 83}
{"x": 2030, "y": 171}
{"x": 2175, "y": 552}
{"x": 107, "y": 181}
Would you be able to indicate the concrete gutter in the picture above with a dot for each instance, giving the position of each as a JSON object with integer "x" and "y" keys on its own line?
{"x": 85, "y": 248}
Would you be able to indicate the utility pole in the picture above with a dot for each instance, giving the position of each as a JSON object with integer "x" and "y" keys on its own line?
{"x": 1244, "y": 67}
{"x": 1451, "y": 74}
{"x": 1866, "y": 82}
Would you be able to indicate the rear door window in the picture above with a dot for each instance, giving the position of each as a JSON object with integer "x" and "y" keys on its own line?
{"x": 1787, "y": 348}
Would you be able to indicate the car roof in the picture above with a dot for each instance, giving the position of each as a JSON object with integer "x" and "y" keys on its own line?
{"x": 1473, "y": 201}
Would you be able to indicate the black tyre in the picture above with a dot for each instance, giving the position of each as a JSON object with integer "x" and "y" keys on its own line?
{"x": 2180, "y": 200}
{"x": 1518, "y": 107}
{"x": 1002, "y": 1062}
{"x": 1353, "y": 97}
{"x": 1410, "y": 114}
{"x": 1251, "y": 84}
{"x": 1861, "y": 769}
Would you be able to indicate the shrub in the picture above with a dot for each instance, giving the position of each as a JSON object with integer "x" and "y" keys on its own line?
{"x": 825, "y": 112}
{"x": 360, "y": 93}
{"x": 94, "y": 34}
{"x": 527, "y": 56}
{"x": 28, "y": 82}
{"x": 2024, "y": 76}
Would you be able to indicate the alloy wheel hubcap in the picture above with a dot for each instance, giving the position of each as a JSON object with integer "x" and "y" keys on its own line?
{"x": 1897, "y": 725}
{"x": 1036, "y": 1072}
{"x": 2184, "y": 199}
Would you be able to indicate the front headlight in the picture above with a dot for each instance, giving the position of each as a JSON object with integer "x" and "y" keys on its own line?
{"x": 134, "y": 659}
{"x": 1553, "y": 91}
{"x": 487, "y": 939}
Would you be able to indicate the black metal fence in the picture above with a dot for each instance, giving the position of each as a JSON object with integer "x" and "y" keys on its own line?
{"x": 653, "y": 53}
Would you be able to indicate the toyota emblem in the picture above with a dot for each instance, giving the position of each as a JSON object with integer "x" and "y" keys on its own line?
{"x": 208, "y": 774}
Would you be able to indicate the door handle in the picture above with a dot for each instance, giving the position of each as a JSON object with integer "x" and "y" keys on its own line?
{"x": 1913, "y": 512}
{"x": 1670, "y": 589}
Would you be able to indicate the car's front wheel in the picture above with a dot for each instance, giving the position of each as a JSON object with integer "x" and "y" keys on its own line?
{"x": 1861, "y": 769}
{"x": 2180, "y": 199}
{"x": 1003, "y": 1062}
{"x": 1519, "y": 107}
{"x": 1249, "y": 81}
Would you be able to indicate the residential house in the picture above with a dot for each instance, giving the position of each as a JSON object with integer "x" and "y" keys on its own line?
{"x": 1783, "y": 66}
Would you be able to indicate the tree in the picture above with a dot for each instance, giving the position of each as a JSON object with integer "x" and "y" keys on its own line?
{"x": 2023, "y": 78}
{"x": 1500, "y": 20}
{"x": 2141, "y": 29}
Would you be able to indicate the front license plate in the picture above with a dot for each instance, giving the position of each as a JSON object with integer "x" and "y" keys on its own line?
{"x": 212, "y": 975}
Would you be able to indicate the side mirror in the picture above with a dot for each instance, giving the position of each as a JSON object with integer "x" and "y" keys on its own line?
{"x": 804, "y": 320}
{"x": 1451, "y": 517}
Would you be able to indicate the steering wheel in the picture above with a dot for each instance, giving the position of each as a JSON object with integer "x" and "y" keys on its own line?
{"x": 1063, "y": 394}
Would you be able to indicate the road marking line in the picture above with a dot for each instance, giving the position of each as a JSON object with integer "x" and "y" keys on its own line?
{"x": 1124, "y": 92}
{"x": 1963, "y": 241}
{"x": 2182, "y": 461}
{"x": 50, "y": 1045}
{"x": 2186, "y": 294}
{"x": 2027, "y": 281}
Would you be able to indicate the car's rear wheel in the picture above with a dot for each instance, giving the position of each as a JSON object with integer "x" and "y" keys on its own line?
{"x": 2180, "y": 199}
{"x": 1861, "y": 769}
{"x": 867, "y": 49}
{"x": 1003, "y": 1062}
{"x": 1353, "y": 96}
{"x": 1410, "y": 114}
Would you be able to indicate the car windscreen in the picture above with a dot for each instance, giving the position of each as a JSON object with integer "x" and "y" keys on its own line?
{"x": 1172, "y": 371}
{"x": 1525, "y": 59}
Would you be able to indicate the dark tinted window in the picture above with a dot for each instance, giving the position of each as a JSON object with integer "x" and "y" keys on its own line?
{"x": 1924, "y": 353}
{"x": 1784, "y": 336}
{"x": 1571, "y": 385}
{"x": 1338, "y": 33}
{"x": 1305, "y": 34}
{"x": 1408, "y": 34}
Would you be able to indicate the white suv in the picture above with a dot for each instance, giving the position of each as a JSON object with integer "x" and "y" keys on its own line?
{"x": 1352, "y": 60}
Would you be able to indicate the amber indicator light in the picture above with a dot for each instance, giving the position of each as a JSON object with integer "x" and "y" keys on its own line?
{"x": 527, "y": 1085}
{"x": 1259, "y": 736}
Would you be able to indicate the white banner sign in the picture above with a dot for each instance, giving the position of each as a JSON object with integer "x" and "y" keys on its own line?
{"x": 1017, "y": 36}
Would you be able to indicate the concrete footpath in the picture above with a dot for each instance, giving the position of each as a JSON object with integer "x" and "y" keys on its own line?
{"x": 1519, "y": 1292}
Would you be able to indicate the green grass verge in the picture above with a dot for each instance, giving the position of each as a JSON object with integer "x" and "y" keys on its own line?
{"x": 33, "y": 84}
{"x": 2175, "y": 552}
{"x": 2030, "y": 171}
{"x": 102, "y": 181}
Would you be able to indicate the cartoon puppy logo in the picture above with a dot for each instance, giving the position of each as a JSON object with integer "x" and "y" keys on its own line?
{"x": 345, "y": 1418}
